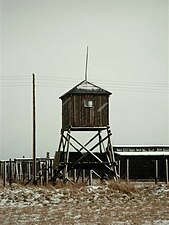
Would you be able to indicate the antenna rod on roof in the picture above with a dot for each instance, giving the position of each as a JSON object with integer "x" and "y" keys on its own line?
{"x": 86, "y": 64}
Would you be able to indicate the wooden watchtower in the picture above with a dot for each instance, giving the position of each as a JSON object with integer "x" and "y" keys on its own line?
{"x": 85, "y": 108}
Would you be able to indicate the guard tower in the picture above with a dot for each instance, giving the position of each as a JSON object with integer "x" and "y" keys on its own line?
{"x": 85, "y": 108}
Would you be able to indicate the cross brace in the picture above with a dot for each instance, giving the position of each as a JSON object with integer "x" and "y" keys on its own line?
{"x": 101, "y": 162}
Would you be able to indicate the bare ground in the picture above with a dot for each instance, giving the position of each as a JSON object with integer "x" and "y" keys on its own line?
{"x": 108, "y": 203}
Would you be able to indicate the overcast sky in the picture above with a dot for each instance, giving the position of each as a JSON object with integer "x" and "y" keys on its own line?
{"x": 128, "y": 56}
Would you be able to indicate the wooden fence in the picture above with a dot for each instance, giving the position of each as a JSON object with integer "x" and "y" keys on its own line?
{"x": 134, "y": 163}
{"x": 20, "y": 170}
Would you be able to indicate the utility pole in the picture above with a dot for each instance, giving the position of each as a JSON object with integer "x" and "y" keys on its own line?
{"x": 34, "y": 134}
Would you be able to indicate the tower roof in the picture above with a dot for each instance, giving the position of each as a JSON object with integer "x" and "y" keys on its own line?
{"x": 85, "y": 87}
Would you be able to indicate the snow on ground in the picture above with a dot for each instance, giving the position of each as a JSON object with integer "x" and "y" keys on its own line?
{"x": 109, "y": 203}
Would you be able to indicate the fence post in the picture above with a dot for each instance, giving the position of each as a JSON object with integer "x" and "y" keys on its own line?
{"x": 0, "y": 169}
{"x": 156, "y": 172}
{"x": 50, "y": 169}
{"x": 74, "y": 175}
{"x": 40, "y": 172}
{"x": 127, "y": 170}
{"x": 16, "y": 172}
{"x": 90, "y": 177}
{"x": 13, "y": 171}
{"x": 10, "y": 172}
{"x": 47, "y": 173}
{"x": 52, "y": 172}
{"x": 166, "y": 164}
{"x": 83, "y": 175}
{"x": 4, "y": 176}
{"x": 21, "y": 172}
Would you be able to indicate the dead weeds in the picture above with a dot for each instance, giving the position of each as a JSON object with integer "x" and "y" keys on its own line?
{"x": 123, "y": 187}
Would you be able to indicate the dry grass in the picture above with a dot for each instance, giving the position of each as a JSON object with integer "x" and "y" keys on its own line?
{"x": 75, "y": 186}
{"x": 106, "y": 203}
{"x": 123, "y": 187}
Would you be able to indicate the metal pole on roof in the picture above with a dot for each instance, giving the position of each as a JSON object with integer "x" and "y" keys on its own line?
{"x": 86, "y": 64}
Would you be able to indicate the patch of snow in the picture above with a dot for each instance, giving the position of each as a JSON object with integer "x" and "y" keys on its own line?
{"x": 87, "y": 86}
{"x": 77, "y": 217}
{"x": 99, "y": 204}
{"x": 157, "y": 222}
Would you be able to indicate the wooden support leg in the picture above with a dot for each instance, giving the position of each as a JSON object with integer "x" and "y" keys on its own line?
{"x": 119, "y": 168}
{"x": 66, "y": 160}
{"x": 111, "y": 154}
{"x": 100, "y": 143}
{"x": 62, "y": 165}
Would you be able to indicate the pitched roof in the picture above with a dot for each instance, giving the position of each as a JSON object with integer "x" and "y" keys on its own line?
{"x": 85, "y": 87}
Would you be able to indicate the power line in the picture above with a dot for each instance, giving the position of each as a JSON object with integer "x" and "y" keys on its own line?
{"x": 63, "y": 82}
{"x": 77, "y": 79}
{"x": 114, "y": 87}
{"x": 17, "y": 81}
{"x": 14, "y": 77}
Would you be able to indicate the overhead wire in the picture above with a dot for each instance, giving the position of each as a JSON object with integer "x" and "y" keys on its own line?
{"x": 51, "y": 81}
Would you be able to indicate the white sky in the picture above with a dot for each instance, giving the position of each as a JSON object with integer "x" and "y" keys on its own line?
{"x": 128, "y": 55}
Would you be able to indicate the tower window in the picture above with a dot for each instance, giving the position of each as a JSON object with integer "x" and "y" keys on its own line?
{"x": 88, "y": 103}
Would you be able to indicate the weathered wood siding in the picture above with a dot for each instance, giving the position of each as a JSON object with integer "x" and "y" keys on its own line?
{"x": 66, "y": 108}
{"x": 75, "y": 114}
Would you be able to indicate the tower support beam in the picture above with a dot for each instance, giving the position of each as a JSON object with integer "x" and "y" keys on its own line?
{"x": 88, "y": 159}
